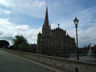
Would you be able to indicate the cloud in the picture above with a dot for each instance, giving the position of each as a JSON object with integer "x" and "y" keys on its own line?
{"x": 8, "y": 31}
{"x": 4, "y": 11}
{"x": 7, "y": 12}
{"x": 5, "y": 3}
{"x": 22, "y": 28}
{"x": 35, "y": 8}
{"x": 88, "y": 36}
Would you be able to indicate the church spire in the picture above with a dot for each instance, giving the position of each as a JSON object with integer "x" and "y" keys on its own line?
{"x": 46, "y": 21}
{"x": 46, "y": 26}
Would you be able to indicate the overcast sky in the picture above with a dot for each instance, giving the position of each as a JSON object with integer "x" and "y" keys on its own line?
{"x": 26, "y": 17}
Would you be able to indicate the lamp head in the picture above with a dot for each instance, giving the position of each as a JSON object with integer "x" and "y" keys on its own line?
{"x": 76, "y": 21}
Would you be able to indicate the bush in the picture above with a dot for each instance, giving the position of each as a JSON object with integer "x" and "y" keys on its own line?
{"x": 4, "y": 44}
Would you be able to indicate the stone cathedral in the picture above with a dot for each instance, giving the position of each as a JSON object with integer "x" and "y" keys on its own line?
{"x": 54, "y": 42}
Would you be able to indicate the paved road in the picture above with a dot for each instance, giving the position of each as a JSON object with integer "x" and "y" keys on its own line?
{"x": 13, "y": 63}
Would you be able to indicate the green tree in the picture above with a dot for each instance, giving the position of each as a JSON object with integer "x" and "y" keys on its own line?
{"x": 4, "y": 44}
{"x": 19, "y": 40}
{"x": 20, "y": 43}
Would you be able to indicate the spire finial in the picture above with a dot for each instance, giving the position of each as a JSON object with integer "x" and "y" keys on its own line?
{"x": 58, "y": 25}
{"x": 46, "y": 4}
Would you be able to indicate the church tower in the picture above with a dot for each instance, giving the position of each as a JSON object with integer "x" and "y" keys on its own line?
{"x": 46, "y": 26}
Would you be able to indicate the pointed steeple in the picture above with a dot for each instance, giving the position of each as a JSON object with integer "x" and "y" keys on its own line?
{"x": 46, "y": 26}
{"x": 46, "y": 21}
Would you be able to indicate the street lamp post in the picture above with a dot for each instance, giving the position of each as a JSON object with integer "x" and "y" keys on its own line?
{"x": 76, "y": 26}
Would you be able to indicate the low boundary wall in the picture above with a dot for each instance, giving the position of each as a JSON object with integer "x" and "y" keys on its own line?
{"x": 58, "y": 62}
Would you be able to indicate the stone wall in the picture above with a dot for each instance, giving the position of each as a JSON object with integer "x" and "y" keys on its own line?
{"x": 61, "y": 63}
